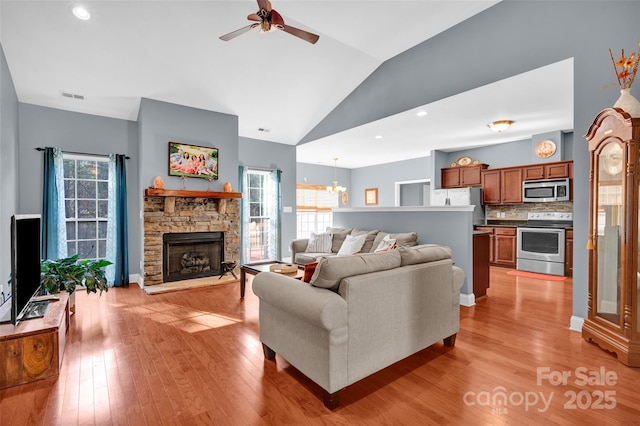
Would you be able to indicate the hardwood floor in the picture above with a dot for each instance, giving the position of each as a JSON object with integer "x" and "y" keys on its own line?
{"x": 194, "y": 357}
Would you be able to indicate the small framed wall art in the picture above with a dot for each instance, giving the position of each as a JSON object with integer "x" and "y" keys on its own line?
{"x": 371, "y": 197}
{"x": 193, "y": 161}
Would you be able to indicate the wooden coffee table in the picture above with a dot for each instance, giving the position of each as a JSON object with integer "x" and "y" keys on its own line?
{"x": 264, "y": 266}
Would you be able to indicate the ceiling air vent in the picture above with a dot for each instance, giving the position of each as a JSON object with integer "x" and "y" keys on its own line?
{"x": 71, "y": 95}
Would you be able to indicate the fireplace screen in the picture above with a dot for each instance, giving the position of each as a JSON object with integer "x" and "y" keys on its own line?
{"x": 188, "y": 255}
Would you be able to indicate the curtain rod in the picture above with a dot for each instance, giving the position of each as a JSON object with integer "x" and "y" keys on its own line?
{"x": 83, "y": 153}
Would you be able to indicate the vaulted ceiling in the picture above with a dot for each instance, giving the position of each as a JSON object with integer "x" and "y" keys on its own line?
{"x": 279, "y": 86}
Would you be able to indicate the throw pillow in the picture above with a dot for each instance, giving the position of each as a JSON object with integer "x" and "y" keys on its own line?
{"x": 339, "y": 234}
{"x": 319, "y": 243}
{"x": 367, "y": 247}
{"x": 386, "y": 244}
{"x": 309, "y": 269}
{"x": 404, "y": 239}
{"x": 352, "y": 245}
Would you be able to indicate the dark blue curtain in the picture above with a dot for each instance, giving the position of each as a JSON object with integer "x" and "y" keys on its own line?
{"x": 50, "y": 211}
{"x": 121, "y": 278}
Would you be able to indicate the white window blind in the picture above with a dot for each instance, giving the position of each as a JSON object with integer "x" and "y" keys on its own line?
{"x": 314, "y": 198}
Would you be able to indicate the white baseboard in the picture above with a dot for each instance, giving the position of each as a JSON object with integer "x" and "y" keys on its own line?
{"x": 576, "y": 323}
{"x": 137, "y": 278}
{"x": 467, "y": 299}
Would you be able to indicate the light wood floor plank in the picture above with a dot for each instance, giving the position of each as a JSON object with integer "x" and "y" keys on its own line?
{"x": 194, "y": 358}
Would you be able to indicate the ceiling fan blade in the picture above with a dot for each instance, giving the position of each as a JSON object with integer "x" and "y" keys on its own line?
{"x": 236, "y": 33}
{"x": 264, "y": 4}
{"x": 254, "y": 17}
{"x": 305, "y": 35}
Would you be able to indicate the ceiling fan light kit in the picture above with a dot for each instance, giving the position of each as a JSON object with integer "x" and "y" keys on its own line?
{"x": 268, "y": 20}
{"x": 500, "y": 125}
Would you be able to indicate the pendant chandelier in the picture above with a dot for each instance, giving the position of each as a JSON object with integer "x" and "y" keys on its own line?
{"x": 335, "y": 188}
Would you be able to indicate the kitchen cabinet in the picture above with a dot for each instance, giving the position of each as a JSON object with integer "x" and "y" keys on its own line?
{"x": 502, "y": 186}
{"x": 557, "y": 170}
{"x": 568, "y": 253}
{"x": 502, "y": 245}
{"x": 462, "y": 176}
{"x": 506, "y": 247}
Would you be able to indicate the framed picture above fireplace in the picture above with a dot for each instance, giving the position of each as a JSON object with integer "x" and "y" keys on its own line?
{"x": 193, "y": 161}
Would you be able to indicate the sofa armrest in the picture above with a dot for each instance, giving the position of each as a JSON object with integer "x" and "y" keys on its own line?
{"x": 318, "y": 306}
{"x": 297, "y": 246}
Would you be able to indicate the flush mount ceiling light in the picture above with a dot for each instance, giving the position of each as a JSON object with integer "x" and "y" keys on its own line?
{"x": 421, "y": 113}
{"x": 81, "y": 13}
{"x": 500, "y": 125}
{"x": 335, "y": 188}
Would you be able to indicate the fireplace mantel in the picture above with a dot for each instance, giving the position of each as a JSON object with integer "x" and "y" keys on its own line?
{"x": 152, "y": 192}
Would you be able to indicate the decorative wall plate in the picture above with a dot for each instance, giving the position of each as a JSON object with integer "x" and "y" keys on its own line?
{"x": 464, "y": 161}
{"x": 545, "y": 149}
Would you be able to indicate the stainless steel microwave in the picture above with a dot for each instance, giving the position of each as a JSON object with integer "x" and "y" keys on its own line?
{"x": 545, "y": 191}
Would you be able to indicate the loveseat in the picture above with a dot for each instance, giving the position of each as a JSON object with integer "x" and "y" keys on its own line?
{"x": 359, "y": 313}
{"x": 303, "y": 254}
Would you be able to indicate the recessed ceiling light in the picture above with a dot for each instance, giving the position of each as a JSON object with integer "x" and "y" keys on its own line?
{"x": 81, "y": 13}
{"x": 378, "y": 136}
{"x": 421, "y": 113}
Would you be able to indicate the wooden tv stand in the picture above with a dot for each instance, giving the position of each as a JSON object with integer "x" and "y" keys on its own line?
{"x": 33, "y": 349}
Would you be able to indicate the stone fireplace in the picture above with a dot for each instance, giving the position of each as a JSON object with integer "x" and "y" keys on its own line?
{"x": 211, "y": 220}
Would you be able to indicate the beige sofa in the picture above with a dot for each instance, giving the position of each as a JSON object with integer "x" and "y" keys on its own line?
{"x": 360, "y": 313}
{"x": 373, "y": 238}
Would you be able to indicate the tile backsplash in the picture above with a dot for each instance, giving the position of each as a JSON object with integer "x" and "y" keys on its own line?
{"x": 519, "y": 211}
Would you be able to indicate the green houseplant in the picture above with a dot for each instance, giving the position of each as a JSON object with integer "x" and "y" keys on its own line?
{"x": 70, "y": 272}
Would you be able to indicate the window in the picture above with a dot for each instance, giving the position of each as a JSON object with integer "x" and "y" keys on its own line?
{"x": 314, "y": 209}
{"x": 86, "y": 198}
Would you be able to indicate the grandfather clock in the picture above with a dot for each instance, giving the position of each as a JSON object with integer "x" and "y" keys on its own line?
{"x": 613, "y": 320}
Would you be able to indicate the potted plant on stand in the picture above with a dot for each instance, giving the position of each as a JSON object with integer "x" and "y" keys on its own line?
{"x": 68, "y": 273}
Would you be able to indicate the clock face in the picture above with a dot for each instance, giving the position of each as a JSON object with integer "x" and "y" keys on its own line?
{"x": 611, "y": 158}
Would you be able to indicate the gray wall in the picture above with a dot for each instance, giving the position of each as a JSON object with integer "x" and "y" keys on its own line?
{"x": 448, "y": 228}
{"x": 9, "y": 170}
{"x": 268, "y": 155}
{"x": 160, "y": 123}
{"x": 384, "y": 177}
{"x": 314, "y": 174}
{"x": 72, "y": 131}
{"x": 500, "y": 42}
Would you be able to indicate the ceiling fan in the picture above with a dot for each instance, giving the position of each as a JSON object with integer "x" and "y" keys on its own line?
{"x": 269, "y": 19}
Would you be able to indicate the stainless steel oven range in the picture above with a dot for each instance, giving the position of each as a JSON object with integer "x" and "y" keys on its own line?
{"x": 541, "y": 242}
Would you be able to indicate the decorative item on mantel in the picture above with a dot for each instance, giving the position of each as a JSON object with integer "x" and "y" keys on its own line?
{"x": 626, "y": 69}
{"x": 158, "y": 183}
{"x": 227, "y": 187}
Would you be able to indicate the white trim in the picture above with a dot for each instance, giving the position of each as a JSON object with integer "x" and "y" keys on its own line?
{"x": 136, "y": 278}
{"x": 403, "y": 182}
{"x": 406, "y": 209}
{"x": 467, "y": 299}
{"x": 576, "y": 324}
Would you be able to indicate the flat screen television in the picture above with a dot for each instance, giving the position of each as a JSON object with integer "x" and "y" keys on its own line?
{"x": 25, "y": 263}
